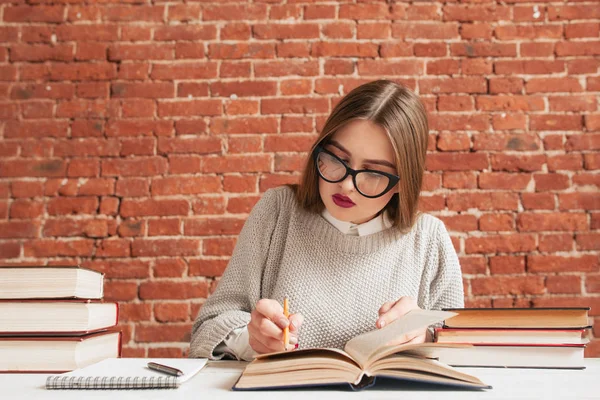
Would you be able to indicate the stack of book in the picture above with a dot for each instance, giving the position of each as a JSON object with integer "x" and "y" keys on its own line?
{"x": 52, "y": 319}
{"x": 515, "y": 337}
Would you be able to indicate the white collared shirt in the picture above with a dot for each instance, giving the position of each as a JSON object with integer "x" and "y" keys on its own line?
{"x": 381, "y": 222}
{"x": 236, "y": 342}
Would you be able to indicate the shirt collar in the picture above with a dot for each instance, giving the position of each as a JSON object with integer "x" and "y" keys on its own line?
{"x": 381, "y": 222}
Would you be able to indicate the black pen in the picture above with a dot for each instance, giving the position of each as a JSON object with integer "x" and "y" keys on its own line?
{"x": 164, "y": 369}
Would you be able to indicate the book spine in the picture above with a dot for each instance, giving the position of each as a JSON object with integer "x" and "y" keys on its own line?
{"x": 111, "y": 382}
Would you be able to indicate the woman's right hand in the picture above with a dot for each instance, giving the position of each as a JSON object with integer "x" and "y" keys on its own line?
{"x": 266, "y": 327}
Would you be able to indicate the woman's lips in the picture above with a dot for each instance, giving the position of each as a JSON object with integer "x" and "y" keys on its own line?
{"x": 342, "y": 201}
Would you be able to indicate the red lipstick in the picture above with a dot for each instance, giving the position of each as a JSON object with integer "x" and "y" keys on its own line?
{"x": 342, "y": 201}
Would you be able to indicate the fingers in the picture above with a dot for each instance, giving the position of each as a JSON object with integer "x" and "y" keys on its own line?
{"x": 266, "y": 325}
{"x": 295, "y": 323}
{"x": 263, "y": 326}
{"x": 386, "y": 307}
{"x": 272, "y": 310}
{"x": 400, "y": 307}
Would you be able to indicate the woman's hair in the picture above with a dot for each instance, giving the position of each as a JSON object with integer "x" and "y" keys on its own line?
{"x": 400, "y": 112}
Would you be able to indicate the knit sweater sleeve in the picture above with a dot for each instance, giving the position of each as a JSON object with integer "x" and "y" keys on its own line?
{"x": 239, "y": 289}
{"x": 446, "y": 287}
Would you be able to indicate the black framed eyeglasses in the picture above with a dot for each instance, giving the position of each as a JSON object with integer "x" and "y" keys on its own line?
{"x": 369, "y": 183}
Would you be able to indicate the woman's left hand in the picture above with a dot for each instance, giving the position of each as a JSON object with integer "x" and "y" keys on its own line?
{"x": 392, "y": 310}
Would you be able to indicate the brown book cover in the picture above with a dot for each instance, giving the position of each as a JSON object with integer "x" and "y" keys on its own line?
{"x": 546, "y": 317}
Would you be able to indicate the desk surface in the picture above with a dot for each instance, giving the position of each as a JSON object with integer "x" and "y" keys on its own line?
{"x": 216, "y": 379}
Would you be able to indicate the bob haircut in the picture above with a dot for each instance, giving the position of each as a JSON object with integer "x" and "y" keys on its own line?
{"x": 400, "y": 112}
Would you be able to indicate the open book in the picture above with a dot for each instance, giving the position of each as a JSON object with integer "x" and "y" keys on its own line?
{"x": 364, "y": 358}
{"x": 127, "y": 373}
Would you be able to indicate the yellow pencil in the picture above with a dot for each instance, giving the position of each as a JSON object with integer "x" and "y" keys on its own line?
{"x": 286, "y": 331}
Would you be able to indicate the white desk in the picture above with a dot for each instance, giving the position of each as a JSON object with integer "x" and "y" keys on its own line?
{"x": 215, "y": 380}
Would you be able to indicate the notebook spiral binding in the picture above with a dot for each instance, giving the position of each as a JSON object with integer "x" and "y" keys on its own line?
{"x": 111, "y": 382}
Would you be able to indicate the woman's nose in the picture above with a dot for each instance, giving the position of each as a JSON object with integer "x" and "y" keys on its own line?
{"x": 347, "y": 185}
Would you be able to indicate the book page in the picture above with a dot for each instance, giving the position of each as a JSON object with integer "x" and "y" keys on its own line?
{"x": 362, "y": 347}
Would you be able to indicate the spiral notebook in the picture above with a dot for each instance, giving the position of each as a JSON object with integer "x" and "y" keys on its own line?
{"x": 127, "y": 373}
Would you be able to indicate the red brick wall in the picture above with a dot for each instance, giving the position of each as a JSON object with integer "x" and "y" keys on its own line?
{"x": 136, "y": 137}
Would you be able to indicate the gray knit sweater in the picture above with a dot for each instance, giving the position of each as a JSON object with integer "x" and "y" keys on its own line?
{"x": 337, "y": 282}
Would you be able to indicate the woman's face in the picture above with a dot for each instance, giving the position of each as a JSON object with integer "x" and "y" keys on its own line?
{"x": 361, "y": 144}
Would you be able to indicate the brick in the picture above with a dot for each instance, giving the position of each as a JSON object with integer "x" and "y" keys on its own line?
{"x": 565, "y": 284}
{"x": 415, "y": 30}
{"x": 143, "y": 90}
{"x": 218, "y": 246}
{"x": 538, "y": 201}
{"x": 235, "y": 12}
{"x": 455, "y": 103}
{"x": 469, "y": 13}
{"x": 163, "y": 333}
{"x": 188, "y": 185}
{"x": 583, "y": 263}
{"x": 525, "y": 285}
{"x": 459, "y": 180}
{"x": 164, "y": 247}
{"x": 453, "y": 85}
{"x": 140, "y": 166}
{"x": 151, "y": 207}
{"x": 482, "y": 201}
{"x": 431, "y": 203}
{"x": 237, "y": 69}
{"x": 209, "y": 205}
{"x": 508, "y": 243}
{"x": 164, "y": 227}
{"x": 294, "y": 106}
{"x": 528, "y": 222}
{"x": 477, "y": 30}
{"x": 506, "y": 85}
{"x": 50, "y": 14}
{"x": 244, "y": 144}
{"x": 241, "y": 51}
{"x": 183, "y": 12}
{"x": 578, "y": 201}
{"x": 171, "y": 312}
{"x": 172, "y": 267}
{"x": 243, "y": 125}
{"x": 545, "y": 85}
{"x": 497, "y": 222}
{"x": 550, "y": 243}
{"x": 371, "y": 11}
{"x": 139, "y": 127}
{"x": 462, "y": 223}
{"x": 481, "y": 49}
{"x": 546, "y": 182}
{"x": 58, "y": 248}
{"x": 33, "y": 168}
{"x": 517, "y": 163}
{"x": 501, "y": 141}
{"x": 213, "y": 226}
{"x": 284, "y": 68}
{"x": 513, "y": 32}
{"x": 134, "y": 13}
{"x": 507, "y": 265}
{"x": 86, "y": 147}
{"x": 456, "y": 161}
{"x": 344, "y": 49}
{"x": 473, "y": 265}
{"x": 193, "y": 70}
{"x": 189, "y": 108}
{"x": 501, "y": 180}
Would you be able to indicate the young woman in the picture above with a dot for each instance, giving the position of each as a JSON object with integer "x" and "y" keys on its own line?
{"x": 346, "y": 246}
